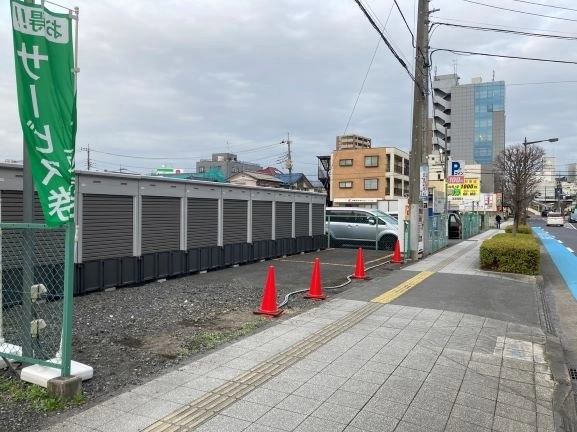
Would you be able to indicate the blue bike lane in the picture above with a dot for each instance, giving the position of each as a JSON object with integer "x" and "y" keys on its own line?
{"x": 564, "y": 259}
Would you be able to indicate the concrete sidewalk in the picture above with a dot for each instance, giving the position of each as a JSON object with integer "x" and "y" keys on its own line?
{"x": 352, "y": 365}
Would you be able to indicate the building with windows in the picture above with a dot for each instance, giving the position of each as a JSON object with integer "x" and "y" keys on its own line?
{"x": 226, "y": 163}
{"x": 362, "y": 176}
{"x": 469, "y": 120}
{"x": 349, "y": 142}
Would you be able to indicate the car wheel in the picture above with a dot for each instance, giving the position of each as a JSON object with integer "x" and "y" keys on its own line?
{"x": 387, "y": 242}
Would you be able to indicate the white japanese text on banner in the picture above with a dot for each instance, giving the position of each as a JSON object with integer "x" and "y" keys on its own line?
{"x": 44, "y": 57}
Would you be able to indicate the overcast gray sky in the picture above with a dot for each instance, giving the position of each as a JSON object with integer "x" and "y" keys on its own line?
{"x": 171, "y": 82}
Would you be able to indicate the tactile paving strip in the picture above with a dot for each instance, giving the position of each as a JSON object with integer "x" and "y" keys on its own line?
{"x": 209, "y": 405}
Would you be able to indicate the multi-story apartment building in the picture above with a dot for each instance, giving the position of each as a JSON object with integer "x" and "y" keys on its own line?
{"x": 469, "y": 119}
{"x": 349, "y": 142}
{"x": 361, "y": 176}
{"x": 227, "y": 163}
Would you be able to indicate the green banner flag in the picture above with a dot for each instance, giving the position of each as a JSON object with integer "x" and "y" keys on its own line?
{"x": 45, "y": 78}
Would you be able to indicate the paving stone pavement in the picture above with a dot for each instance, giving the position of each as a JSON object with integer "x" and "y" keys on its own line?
{"x": 352, "y": 366}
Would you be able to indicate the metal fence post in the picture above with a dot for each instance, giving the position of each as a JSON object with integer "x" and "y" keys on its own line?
{"x": 68, "y": 294}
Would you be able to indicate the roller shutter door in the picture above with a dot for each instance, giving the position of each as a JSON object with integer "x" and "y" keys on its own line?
{"x": 160, "y": 224}
{"x": 107, "y": 226}
{"x": 13, "y": 207}
{"x": 202, "y": 229}
{"x": 261, "y": 220}
{"x": 283, "y": 220}
{"x": 318, "y": 219}
{"x": 235, "y": 215}
{"x": 301, "y": 219}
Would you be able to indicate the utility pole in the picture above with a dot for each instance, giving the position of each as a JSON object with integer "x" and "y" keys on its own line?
{"x": 420, "y": 110}
{"x": 88, "y": 161}
{"x": 289, "y": 161}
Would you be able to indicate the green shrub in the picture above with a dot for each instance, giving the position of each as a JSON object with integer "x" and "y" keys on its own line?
{"x": 521, "y": 229}
{"x": 511, "y": 254}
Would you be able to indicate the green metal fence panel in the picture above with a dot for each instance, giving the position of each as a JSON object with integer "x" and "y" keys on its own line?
{"x": 437, "y": 233}
{"x": 471, "y": 224}
{"x": 36, "y": 267}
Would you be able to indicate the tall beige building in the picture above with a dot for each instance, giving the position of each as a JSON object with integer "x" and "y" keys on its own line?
{"x": 362, "y": 175}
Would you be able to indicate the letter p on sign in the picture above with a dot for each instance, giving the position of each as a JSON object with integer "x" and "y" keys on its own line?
{"x": 456, "y": 168}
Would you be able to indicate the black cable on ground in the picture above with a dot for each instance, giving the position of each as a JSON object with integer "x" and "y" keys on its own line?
{"x": 349, "y": 279}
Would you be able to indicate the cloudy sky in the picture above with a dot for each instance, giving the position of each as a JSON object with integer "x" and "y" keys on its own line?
{"x": 171, "y": 82}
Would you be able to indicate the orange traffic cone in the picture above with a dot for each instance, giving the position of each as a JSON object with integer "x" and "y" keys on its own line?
{"x": 397, "y": 254}
{"x": 316, "y": 290}
{"x": 360, "y": 267}
{"x": 268, "y": 306}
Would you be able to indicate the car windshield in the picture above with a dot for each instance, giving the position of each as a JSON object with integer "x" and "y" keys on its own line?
{"x": 385, "y": 217}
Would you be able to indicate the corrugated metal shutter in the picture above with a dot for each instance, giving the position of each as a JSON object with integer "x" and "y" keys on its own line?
{"x": 283, "y": 220}
{"x": 261, "y": 220}
{"x": 13, "y": 207}
{"x": 235, "y": 216}
{"x": 107, "y": 226}
{"x": 301, "y": 219}
{"x": 160, "y": 224}
{"x": 202, "y": 229}
{"x": 318, "y": 219}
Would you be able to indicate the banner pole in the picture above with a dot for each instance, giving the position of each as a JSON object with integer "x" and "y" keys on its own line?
{"x": 68, "y": 294}
{"x": 28, "y": 247}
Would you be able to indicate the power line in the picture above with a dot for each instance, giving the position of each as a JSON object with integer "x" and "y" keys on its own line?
{"x": 498, "y": 30}
{"x": 407, "y": 24}
{"x": 545, "y": 5}
{"x": 521, "y": 12}
{"x": 143, "y": 157}
{"x": 399, "y": 59}
{"x": 383, "y": 28}
{"x": 366, "y": 75}
{"x": 505, "y": 27}
{"x": 460, "y": 52}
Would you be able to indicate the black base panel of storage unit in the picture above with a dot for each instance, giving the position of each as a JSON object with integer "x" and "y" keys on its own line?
{"x": 111, "y": 273}
{"x": 148, "y": 267}
{"x": 163, "y": 264}
{"x": 177, "y": 263}
{"x": 261, "y": 250}
{"x": 91, "y": 277}
{"x": 216, "y": 257}
{"x": 304, "y": 244}
{"x": 286, "y": 246}
{"x": 129, "y": 270}
{"x": 237, "y": 253}
{"x": 77, "y": 279}
{"x": 193, "y": 260}
{"x": 320, "y": 241}
{"x": 211, "y": 257}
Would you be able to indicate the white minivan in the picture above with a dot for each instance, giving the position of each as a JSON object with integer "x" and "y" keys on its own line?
{"x": 555, "y": 218}
{"x": 361, "y": 226}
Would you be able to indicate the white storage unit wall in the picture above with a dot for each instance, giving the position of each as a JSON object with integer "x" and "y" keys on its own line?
{"x": 132, "y": 228}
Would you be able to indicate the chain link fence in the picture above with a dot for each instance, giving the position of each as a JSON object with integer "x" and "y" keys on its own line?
{"x": 33, "y": 278}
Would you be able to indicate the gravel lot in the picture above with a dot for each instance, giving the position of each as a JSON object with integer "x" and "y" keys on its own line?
{"x": 134, "y": 334}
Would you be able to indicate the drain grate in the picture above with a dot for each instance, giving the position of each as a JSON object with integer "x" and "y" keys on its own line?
{"x": 573, "y": 373}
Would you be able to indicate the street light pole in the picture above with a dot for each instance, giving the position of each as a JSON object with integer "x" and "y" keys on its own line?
{"x": 525, "y": 144}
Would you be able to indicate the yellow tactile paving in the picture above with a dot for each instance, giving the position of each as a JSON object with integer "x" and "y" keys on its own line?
{"x": 401, "y": 289}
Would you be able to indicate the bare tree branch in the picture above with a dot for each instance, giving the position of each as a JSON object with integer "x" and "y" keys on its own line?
{"x": 519, "y": 167}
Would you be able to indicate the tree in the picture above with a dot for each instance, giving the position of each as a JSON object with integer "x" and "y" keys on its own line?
{"x": 519, "y": 167}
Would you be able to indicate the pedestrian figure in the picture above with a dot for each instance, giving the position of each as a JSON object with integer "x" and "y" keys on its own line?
{"x": 498, "y": 221}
